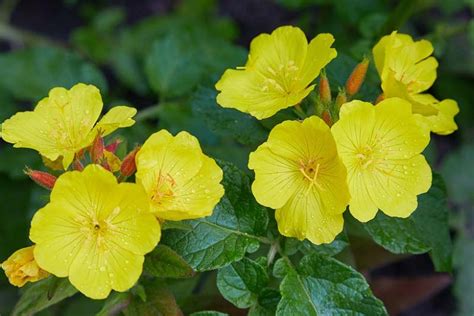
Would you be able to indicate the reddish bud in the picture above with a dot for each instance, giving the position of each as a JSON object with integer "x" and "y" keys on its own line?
{"x": 341, "y": 99}
{"x": 380, "y": 98}
{"x": 42, "y": 178}
{"x": 112, "y": 147}
{"x": 355, "y": 80}
{"x": 77, "y": 165}
{"x": 97, "y": 149}
{"x": 326, "y": 117}
{"x": 128, "y": 166}
{"x": 324, "y": 89}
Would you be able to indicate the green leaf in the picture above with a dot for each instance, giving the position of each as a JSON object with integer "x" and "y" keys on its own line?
{"x": 115, "y": 303}
{"x": 30, "y": 73}
{"x": 227, "y": 122}
{"x": 241, "y": 282}
{"x": 164, "y": 262}
{"x": 280, "y": 268}
{"x": 172, "y": 66}
{"x": 268, "y": 300}
{"x": 460, "y": 185}
{"x": 425, "y": 230}
{"x": 160, "y": 301}
{"x": 324, "y": 286}
{"x": 235, "y": 227}
{"x": 43, "y": 294}
{"x": 331, "y": 249}
{"x": 209, "y": 313}
{"x": 464, "y": 285}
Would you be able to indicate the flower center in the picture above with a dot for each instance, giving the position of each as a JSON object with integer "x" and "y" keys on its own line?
{"x": 310, "y": 171}
{"x": 282, "y": 77}
{"x": 366, "y": 157}
{"x": 163, "y": 188}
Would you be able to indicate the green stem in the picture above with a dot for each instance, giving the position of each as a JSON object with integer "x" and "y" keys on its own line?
{"x": 21, "y": 37}
{"x": 404, "y": 10}
{"x": 299, "y": 112}
{"x": 150, "y": 112}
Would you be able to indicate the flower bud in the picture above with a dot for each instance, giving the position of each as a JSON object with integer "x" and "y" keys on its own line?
{"x": 326, "y": 117}
{"x": 128, "y": 166}
{"x": 42, "y": 178}
{"x": 21, "y": 267}
{"x": 97, "y": 149}
{"x": 77, "y": 165}
{"x": 380, "y": 98}
{"x": 112, "y": 147}
{"x": 341, "y": 99}
{"x": 324, "y": 89}
{"x": 355, "y": 80}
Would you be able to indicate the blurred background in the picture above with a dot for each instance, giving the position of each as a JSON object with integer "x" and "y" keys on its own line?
{"x": 163, "y": 56}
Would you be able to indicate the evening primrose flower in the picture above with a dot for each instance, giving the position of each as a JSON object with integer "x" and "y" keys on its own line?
{"x": 21, "y": 267}
{"x": 298, "y": 173}
{"x": 280, "y": 69}
{"x": 181, "y": 182}
{"x": 64, "y": 123}
{"x": 94, "y": 231}
{"x": 380, "y": 147}
{"x": 407, "y": 70}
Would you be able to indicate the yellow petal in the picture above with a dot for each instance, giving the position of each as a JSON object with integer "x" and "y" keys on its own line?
{"x": 112, "y": 160}
{"x": 198, "y": 196}
{"x": 303, "y": 217}
{"x": 116, "y": 117}
{"x": 443, "y": 123}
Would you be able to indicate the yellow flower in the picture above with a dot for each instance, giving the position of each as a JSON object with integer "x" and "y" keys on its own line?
{"x": 63, "y": 123}
{"x": 407, "y": 70}
{"x": 298, "y": 173}
{"x": 181, "y": 182}
{"x": 21, "y": 267}
{"x": 280, "y": 69}
{"x": 380, "y": 147}
{"x": 94, "y": 231}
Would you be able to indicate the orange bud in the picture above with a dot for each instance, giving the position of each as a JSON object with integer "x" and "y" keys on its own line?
{"x": 97, "y": 149}
{"x": 380, "y": 98}
{"x": 42, "y": 178}
{"x": 324, "y": 89}
{"x": 355, "y": 80}
{"x": 327, "y": 117}
{"x": 341, "y": 98}
{"x": 128, "y": 166}
{"x": 112, "y": 147}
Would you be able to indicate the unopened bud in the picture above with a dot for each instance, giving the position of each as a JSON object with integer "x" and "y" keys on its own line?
{"x": 112, "y": 147}
{"x": 42, "y": 178}
{"x": 324, "y": 89}
{"x": 380, "y": 98}
{"x": 77, "y": 165}
{"x": 97, "y": 149}
{"x": 355, "y": 80}
{"x": 326, "y": 117}
{"x": 128, "y": 166}
{"x": 341, "y": 99}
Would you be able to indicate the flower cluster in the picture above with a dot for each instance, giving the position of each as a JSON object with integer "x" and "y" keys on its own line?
{"x": 96, "y": 228}
{"x": 341, "y": 153}
{"x": 361, "y": 155}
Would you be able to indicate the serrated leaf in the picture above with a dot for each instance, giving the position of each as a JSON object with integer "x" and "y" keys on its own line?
{"x": 172, "y": 67}
{"x": 425, "y": 230}
{"x": 280, "y": 268}
{"x": 235, "y": 227}
{"x": 227, "y": 122}
{"x": 164, "y": 262}
{"x": 331, "y": 249}
{"x": 324, "y": 286}
{"x": 43, "y": 294}
{"x": 30, "y": 73}
{"x": 241, "y": 282}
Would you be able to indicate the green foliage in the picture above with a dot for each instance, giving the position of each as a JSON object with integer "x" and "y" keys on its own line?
{"x": 324, "y": 286}
{"x": 43, "y": 294}
{"x": 164, "y": 262}
{"x": 426, "y": 230}
{"x": 235, "y": 227}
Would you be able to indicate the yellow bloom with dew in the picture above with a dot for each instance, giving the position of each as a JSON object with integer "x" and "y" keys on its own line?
{"x": 280, "y": 69}
{"x": 407, "y": 69}
{"x": 181, "y": 181}
{"x": 21, "y": 267}
{"x": 381, "y": 148}
{"x": 64, "y": 123}
{"x": 95, "y": 231}
{"x": 298, "y": 172}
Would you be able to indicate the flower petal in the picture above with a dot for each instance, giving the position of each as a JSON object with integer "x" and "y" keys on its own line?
{"x": 116, "y": 117}
{"x": 443, "y": 123}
